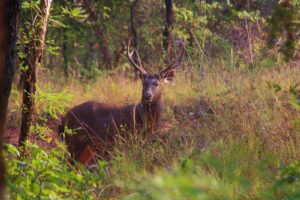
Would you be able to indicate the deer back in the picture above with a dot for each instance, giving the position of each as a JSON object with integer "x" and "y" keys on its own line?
{"x": 93, "y": 122}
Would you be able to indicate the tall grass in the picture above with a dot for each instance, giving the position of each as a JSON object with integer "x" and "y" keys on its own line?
{"x": 236, "y": 148}
{"x": 233, "y": 134}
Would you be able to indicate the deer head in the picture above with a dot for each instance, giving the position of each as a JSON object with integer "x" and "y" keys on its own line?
{"x": 153, "y": 83}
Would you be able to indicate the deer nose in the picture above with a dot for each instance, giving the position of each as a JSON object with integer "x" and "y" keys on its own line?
{"x": 148, "y": 96}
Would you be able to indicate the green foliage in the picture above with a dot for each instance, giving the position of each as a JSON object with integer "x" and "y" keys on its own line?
{"x": 285, "y": 25}
{"x": 192, "y": 24}
{"x": 30, "y": 5}
{"x": 288, "y": 184}
{"x": 45, "y": 174}
{"x": 186, "y": 181}
{"x": 73, "y": 39}
{"x": 77, "y": 13}
{"x": 52, "y": 103}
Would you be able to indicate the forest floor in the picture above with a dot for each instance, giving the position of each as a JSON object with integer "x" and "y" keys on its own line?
{"x": 11, "y": 135}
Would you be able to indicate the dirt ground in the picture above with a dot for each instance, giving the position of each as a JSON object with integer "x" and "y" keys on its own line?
{"x": 49, "y": 140}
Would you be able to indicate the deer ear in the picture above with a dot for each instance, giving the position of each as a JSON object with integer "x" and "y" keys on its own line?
{"x": 168, "y": 77}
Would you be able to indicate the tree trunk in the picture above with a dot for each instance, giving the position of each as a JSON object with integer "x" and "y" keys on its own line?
{"x": 36, "y": 47}
{"x": 117, "y": 54}
{"x": 24, "y": 59}
{"x": 134, "y": 34}
{"x": 89, "y": 55}
{"x": 102, "y": 35}
{"x": 100, "y": 32}
{"x": 65, "y": 53}
{"x": 167, "y": 39}
{"x": 9, "y": 15}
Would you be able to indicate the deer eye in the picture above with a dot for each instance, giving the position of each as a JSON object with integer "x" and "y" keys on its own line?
{"x": 155, "y": 84}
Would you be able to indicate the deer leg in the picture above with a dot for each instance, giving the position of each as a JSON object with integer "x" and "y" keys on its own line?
{"x": 86, "y": 155}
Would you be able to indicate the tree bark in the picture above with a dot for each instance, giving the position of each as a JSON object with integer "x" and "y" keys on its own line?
{"x": 134, "y": 33}
{"x": 36, "y": 48}
{"x": 100, "y": 32}
{"x": 167, "y": 39}
{"x": 24, "y": 59}
{"x": 102, "y": 35}
{"x": 9, "y": 15}
{"x": 65, "y": 53}
{"x": 118, "y": 52}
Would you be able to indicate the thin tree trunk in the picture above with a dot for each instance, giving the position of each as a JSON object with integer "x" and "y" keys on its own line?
{"x": 167, "y": 39}
{"x": 249, "y": 35}
{"x": 134, "y": 33}
{"x": 65, "y": 53}
{"x": 117, "y": 54}
{"x": 36, "y": 48}
{"x": 9, "y": 15}
{"x": 23, "y": 60}
{"x": 100, "y": 32}
{"x": 249, "y": 38}
{"x": 89, "y": 55}
{"x": 107, "y": 58}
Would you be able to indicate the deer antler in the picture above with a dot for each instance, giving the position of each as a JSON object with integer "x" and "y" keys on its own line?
{"x": 138, "y": 66}
{"x": 174, "y": 64}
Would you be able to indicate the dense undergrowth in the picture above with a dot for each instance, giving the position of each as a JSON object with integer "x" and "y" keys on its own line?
{"x": 232, "y": 134}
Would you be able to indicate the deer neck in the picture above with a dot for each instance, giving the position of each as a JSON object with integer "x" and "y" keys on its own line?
{"x": 151, "y": 112}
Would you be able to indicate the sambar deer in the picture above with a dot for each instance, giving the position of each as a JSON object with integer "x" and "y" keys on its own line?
{"x": 96, "y": 124}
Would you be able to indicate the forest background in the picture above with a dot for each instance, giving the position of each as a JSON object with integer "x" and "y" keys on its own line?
{"x": 232, "y": 121}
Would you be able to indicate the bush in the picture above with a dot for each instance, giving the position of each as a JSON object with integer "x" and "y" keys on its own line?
{"x": 47, "y": 174}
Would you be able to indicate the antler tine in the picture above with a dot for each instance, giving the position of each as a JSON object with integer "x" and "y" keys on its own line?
{"x": 138, "y": 66}
{"x": 139, "y": 59}
{"x": 174, "y": 64}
